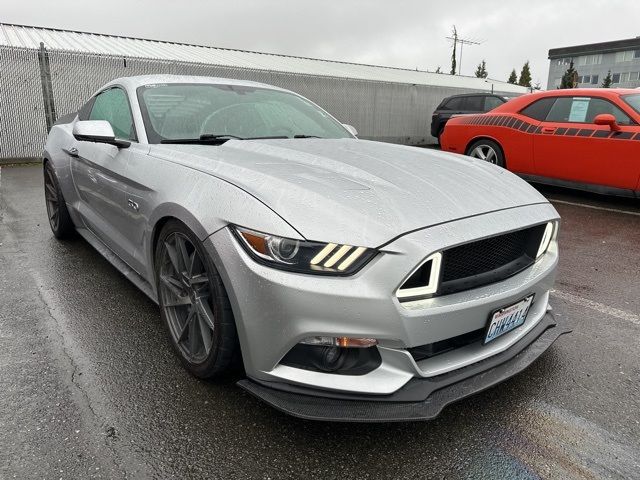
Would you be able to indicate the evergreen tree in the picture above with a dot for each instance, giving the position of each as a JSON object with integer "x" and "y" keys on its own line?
{"x": 481, "y": 71}
{"x": 606, "y": 83}
{"x": 453, "y": 55}
{"x": 513, "y": 78}
{"x": 525, "y": 75}
{"x": 567, "y": 80}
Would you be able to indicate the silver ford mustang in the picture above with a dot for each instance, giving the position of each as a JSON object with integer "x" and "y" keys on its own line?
{"x": 353, "y": 280}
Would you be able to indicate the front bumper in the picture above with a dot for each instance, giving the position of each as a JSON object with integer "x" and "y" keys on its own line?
{"x": 420, "y": 398}
{"x": 275, "y": 310}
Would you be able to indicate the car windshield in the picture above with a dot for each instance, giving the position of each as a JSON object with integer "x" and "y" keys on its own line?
{"x": 172, "y": 112}
{"x": 633, "y": 101}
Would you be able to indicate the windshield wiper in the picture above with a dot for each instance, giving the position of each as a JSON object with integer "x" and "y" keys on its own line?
{"x": 206, "y": 139}
{"x": 273, "y": 137}
{"x": 306, "y": 136}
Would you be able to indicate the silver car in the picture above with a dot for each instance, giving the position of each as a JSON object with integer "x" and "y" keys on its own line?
{"x": 353, "y": 280}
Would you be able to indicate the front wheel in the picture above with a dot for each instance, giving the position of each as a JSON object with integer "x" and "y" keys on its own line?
{"x": 193, "y": 303}
{"x": 487, "y": 150}
{"x": 57, "y": 212}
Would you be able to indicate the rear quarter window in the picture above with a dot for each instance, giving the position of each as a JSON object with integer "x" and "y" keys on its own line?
{"x": 539, "y": 109}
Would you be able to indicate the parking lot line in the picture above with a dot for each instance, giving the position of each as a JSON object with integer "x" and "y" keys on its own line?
{"x": 599, "y": 307}
{"x": 586, "y": 205}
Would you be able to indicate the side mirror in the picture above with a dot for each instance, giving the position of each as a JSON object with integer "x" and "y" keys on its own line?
{"x": 97, "y": 131}
{"x": 607, "y": 119}
{"x": 351, "y": 128}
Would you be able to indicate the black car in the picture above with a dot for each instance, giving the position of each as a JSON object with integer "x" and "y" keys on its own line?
{"x": 459, "y": 104}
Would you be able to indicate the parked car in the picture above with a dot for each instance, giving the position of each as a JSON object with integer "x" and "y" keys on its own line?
{"x": 580, "y": 138}
{"x": 462, "y": 104}
{"x": 354, "y": 279}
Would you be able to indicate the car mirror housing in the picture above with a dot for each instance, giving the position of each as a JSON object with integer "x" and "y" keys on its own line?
{"x": 607, "y": 119}
{"x": 351, "y": 128}
{"x": 97, "y": 131}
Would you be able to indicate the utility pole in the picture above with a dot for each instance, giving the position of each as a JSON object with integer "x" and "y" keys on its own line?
{"x": 462, "y": 41}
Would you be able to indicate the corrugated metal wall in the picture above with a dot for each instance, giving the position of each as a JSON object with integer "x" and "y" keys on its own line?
{"x": 393, "y": 112}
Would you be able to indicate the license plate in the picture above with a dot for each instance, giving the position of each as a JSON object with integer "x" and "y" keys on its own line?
{"x": 508, "y": 318}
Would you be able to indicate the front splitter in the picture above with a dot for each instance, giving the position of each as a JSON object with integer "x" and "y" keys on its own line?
{"x": 419, "y": 399}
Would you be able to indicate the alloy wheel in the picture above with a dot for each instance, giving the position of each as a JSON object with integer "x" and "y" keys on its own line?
{"x": 486, "y": 153}
{"x": 186, "y": 293}
{"x": 51, "y": 198}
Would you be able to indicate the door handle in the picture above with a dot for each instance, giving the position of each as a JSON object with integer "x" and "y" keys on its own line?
{"x": 73, "y": 151}
{"x": 548, "y": 130}
{"x": 133, "y": 205}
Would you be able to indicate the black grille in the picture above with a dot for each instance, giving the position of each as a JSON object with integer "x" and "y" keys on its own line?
{"x": 483, "y": 262}
{"x": 489, "y": 260}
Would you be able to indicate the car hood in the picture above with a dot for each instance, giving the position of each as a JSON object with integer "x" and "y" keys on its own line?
{"x": 356, "y": 192}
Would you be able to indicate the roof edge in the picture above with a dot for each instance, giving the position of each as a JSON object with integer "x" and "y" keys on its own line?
{"x": 600, "y": 47}
{"x": 340, "y": 62}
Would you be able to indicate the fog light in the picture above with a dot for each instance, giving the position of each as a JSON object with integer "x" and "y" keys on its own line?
{"x": 346, "y": 342}
{"x": 332, "y": 358}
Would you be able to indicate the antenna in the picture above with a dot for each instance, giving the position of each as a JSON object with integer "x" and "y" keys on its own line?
{"x": 462, "y": 41}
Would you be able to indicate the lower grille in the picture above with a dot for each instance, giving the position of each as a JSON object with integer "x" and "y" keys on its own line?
{"x": 432, "y": 349}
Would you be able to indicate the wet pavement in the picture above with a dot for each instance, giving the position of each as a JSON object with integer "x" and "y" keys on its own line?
{"x": 89, "y": 387}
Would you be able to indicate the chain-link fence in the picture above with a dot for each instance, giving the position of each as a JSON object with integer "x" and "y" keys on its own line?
{"x": 38, "y": 85}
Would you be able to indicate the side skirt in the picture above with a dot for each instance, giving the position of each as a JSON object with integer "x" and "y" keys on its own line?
{"x": 118, "y": 263}
{"x": 587, "y": 187}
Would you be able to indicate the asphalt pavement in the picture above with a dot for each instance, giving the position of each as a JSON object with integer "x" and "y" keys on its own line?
{"x": 89, "y": 387}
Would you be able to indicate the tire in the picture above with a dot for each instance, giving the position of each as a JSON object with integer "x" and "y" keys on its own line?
{"x": 487, "y": 150}
{"x": 194, "y": 304}
{"x": 57, "y": 212}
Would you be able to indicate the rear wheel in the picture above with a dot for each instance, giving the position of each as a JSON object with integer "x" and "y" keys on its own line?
{"x": 487, "y": 150}
{"x": 57, "y": 212}
{"x": 193, "y": 303}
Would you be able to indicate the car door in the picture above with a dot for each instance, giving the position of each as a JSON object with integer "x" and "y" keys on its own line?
{"x": 571, "y": 147}
{"x": 98, "y": 171}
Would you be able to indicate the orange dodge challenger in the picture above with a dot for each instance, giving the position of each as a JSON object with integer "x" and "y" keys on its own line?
{"x": 580, "y": 138}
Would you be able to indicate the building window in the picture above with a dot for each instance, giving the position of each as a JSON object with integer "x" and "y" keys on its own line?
{"x": 625, "y": 56}
{"x": 594, "y": 79}
{"x": 615, "y": 78}
{"x": 624, "y": 77}
{"x": 634, "y": 76}
{"x": 564, "y": 61}
{"x": 636, "y": 54}
{"x": 586, "y": 79}
{"x": 590, "y": 59}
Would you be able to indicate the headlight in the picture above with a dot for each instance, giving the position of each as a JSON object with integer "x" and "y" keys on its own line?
{"x": 550, "y": 232}
{"x": 303, "y": 256}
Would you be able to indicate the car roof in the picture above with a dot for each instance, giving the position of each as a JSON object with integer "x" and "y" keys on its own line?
{"x": 517, "y": 103}
{"x": 476, "y": 94}
{"x": 134, "y": 82}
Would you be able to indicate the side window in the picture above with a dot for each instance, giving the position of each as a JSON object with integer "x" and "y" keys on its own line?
{"x": 453, "y": 104}
{"x": 599, "y": 105}
{"x": 584, "y": 110}
{"x": 474, "y": 104}
{"x": 112, "y": 105}
{"x": 492, "y": 102}
{"x": 539, "y": 109}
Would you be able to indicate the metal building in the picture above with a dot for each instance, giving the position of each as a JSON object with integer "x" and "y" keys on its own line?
{"x": 595, "y": 60}
{"x": 46, "y": 73}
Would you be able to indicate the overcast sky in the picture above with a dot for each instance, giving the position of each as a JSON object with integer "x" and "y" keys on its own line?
{"x": 404, "y": 33}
